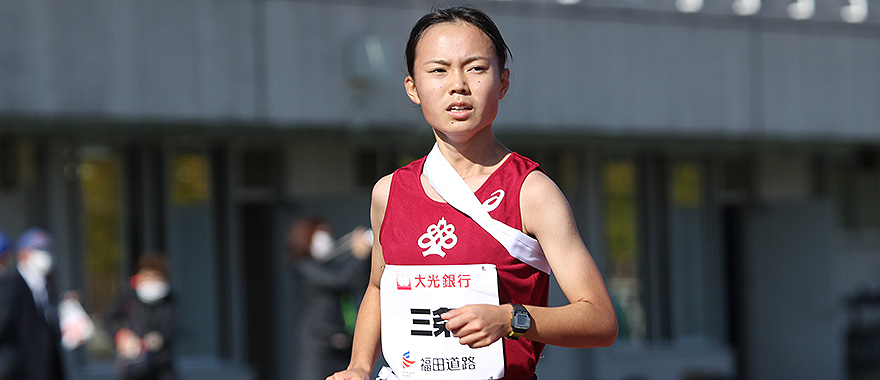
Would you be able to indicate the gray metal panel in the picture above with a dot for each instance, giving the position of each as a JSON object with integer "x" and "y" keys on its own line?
{"x": 300, "y": 42}
{"x": 590, "y": 70}
{"x": 23, "y": 64}
{"x": 165, "y": 57}
{"x": 157, "y": 59}
{"x": 788, "y": 272}
{"x": 821, "y": 85}
{"x": 617, "y": 76}
{"x": 75, "y": 79}
{"x": 306, "y": 73}
{"x": 228, "y": 61}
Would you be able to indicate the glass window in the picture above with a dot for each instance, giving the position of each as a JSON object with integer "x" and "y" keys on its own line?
{"x": 191, "y": 253}
{"x": 856, "y": 189}
{"x": 622, "y": 250}
{"x": 693, "y": 270}
{"x": 137, "y": 199}
{"x": 664, "y": 278}
{"x": 100, "y": 187}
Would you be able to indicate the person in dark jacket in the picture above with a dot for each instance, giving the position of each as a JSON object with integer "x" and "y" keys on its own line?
{"x": 30, "y": 335}
{"x": 329, "y": 274}
{"x": 141, "y": 320}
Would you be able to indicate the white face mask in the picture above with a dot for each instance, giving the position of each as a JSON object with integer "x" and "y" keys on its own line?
{"x": 151, "y": 291}
{"x": 40, "y": 262}
{"x": 322, "y": 245}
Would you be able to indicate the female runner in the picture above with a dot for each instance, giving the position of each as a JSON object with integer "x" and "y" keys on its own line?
{"x": 456, "y": 60}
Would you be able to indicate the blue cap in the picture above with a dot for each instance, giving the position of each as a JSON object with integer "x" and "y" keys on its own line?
{"x": 5, "y": 245}
{"x": 35, "y": 238}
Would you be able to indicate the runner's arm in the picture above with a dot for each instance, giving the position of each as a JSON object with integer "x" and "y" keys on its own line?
{"x": 589, "y": 319}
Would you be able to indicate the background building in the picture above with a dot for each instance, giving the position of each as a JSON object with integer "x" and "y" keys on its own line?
{"x": 721, "y": 156}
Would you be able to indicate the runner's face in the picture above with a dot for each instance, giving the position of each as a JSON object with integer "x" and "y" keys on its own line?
{"x": 457, "y": 79}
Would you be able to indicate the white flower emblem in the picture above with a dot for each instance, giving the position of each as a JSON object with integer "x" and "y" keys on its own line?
{"x": 439, "y": 236}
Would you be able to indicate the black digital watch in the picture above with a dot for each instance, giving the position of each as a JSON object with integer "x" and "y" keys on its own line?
{"x": 520, "y": 321}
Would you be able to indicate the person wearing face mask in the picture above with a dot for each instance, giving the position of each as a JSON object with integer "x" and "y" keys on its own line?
{"x": 30, "y": 334}
{"x": 141, "y": 320}
{"x": 329, "y": 272}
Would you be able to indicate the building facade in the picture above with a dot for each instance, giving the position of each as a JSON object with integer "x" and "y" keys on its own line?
{"x": 722, "y": 158}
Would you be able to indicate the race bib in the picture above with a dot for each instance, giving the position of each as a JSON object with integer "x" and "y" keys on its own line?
{"x": 415, "y": 342}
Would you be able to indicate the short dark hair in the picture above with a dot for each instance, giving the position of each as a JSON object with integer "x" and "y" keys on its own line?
{"x": 466, "y": 14}
{"x": 153, "y": 261}
{"x": 299, "y": 236}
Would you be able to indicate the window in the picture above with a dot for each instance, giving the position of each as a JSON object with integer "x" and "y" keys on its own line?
{"x": 856, "y": 190}
{"x": 191, "y": 253}
{"x": 661, "y": 271}
{"x": 100, "y": 184}
{"x": 142, "y": 199}
{"x": 622, "y": 247}
{"x": 694, "y": 268}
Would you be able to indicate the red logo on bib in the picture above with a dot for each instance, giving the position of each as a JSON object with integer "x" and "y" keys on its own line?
{"x": 404, "y": 282}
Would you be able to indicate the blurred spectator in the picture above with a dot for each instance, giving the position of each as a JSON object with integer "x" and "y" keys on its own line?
{"x": 5, "y": 253}
{"x": 142, "y": 321}
{"x": 330, "y": 273}
{"x": 30, "y": 335}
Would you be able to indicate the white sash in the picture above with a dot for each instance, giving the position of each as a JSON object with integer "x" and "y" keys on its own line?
{"x": 415, "y": 342}
{"x": 453, "y": 189}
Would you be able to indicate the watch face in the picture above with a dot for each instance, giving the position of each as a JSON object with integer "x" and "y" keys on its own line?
{"x": 521, "y": 321}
